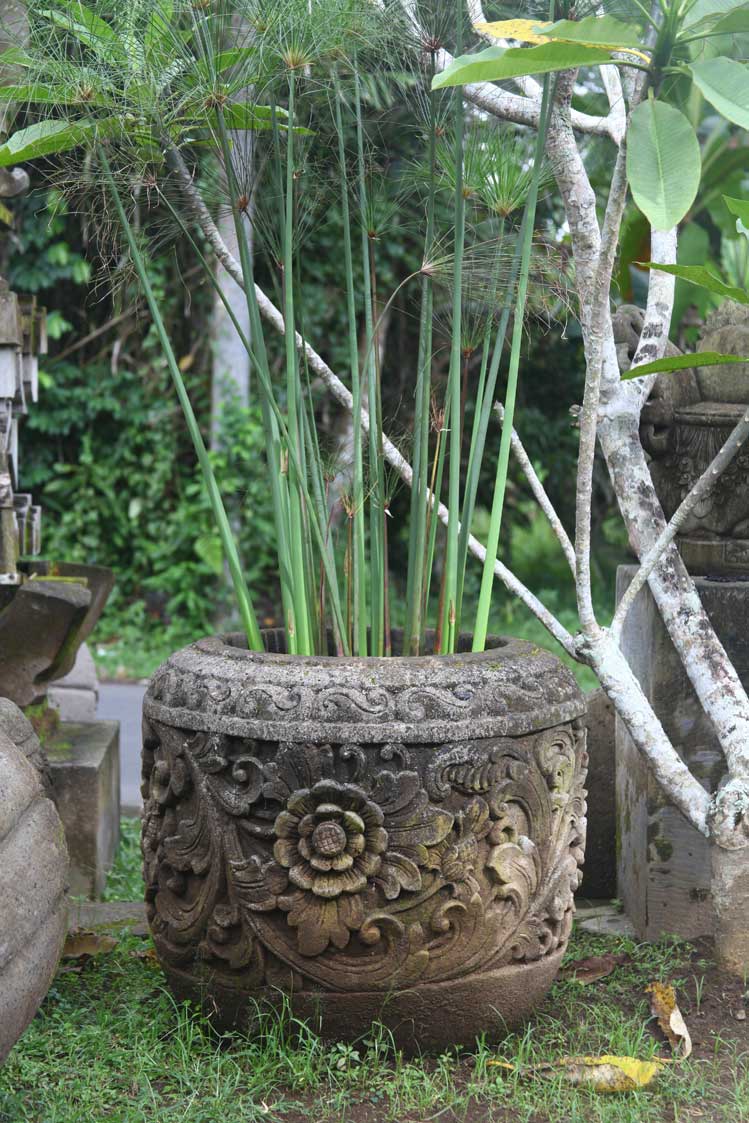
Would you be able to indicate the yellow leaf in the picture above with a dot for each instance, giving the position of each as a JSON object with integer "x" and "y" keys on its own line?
{"x": 531, "y": 31}
{"x": 610, "y": 1074}
{"x": 6, "y": 215}
{"x": 670, "y": 1019}
{"x": 525, "y": 30}
{"x": 604, "y": 1074}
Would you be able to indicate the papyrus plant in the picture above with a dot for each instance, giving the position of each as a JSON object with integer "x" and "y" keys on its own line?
{"x": 654, "y": 68}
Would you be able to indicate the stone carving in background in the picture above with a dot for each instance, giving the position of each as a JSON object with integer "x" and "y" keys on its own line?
{"x": 684, "y": 424}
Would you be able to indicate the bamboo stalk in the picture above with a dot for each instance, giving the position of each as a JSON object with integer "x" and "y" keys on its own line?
{"x": 419, "y": 507}
{"x": 376, "y": 459}
{"x": 273, "y": 446}
{"x": 359, "y": 644}
{"x": 500, "y": 483}
{"x": 451, "y": 560}
{"x": 320, "y": 532}
{"x": 296, "y": 521}
{"x": 242, "y": 593}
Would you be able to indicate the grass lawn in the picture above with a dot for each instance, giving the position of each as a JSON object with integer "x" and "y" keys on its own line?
{"x": 110, "y": 1044}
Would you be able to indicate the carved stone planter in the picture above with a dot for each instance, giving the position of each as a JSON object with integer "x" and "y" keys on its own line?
{"x": 373, "y": 838}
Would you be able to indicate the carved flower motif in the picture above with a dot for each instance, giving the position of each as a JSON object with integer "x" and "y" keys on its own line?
{"x": 330, "y": 839}
{"x": 335, "y": 839}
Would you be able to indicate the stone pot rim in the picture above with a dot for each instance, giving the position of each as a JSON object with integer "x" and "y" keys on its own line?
{"x": 214, "y": 685}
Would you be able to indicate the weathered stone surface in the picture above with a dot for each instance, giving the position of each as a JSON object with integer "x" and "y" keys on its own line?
{"x": 664, "y": 863}
{"x": 33, "y": 879}
{"x": 599, "y": 871}
{"x": 43, "y": 622}
{"x": 392, "y": 838}
{"x": 19, "y": 729}
{"x": 73, "y": 704}
{"x": 34, "y": 627}
{"x": 85, "y": 763}
{"x": 76, "y": 694}
{"x": 684, "y": 425}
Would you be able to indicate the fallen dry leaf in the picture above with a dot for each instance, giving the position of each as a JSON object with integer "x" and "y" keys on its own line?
{"x": 663, "y": 1007}
{"x": 593, "y": 968}
{"x": 610, "y": 1074}
{"x": 606, "y": 1074}
{"x": 80, "y": 945}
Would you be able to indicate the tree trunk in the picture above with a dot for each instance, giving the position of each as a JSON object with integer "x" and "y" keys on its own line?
{"x": 730, "y": 889}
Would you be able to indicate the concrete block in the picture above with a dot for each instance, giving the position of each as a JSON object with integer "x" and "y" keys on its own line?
{"x": 599, "y": 870}
{"x": 72, "y": 703}
{"x": 663, "y": 862}
{"x": 85, "y": 762}
{"x": 75, "y": 696}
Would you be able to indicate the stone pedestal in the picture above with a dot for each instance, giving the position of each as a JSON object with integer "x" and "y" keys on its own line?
{"x": 599, "y": 869}
{"x": 85, "y": 761}
{"x": 664, "y": 870}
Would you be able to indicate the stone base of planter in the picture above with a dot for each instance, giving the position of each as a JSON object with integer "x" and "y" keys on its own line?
{"x": 84, "y": 759}
{"x": 430, "y": 1017}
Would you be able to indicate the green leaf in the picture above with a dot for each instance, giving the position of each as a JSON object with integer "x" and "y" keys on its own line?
{"x": 605, "y": 31}
{"x": 209, "y": 550}
{"x": 15, "y": 56}
{"x": 87, "y": 27}
{"x": 735, "y": 22}
{"x": 46, "y": 138}
{"x": 683, "y": 362}
{"x": 725, "y": 84}
{"x": 238, "y": 115}
{"x": 704, "y": 11}
{"x": 496, "y": 63}
{"x": 158, "y": 31}
{"x": 42, "y": 94}
{"x": 231, "y": 57}
{"x": 739, "y": 207}
{"x": 663, "y": 163}
{"x": 704, "y": 278}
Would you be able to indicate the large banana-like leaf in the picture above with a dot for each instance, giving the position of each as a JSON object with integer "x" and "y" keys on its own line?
{"x": 663, "y": 163}
{"x": 725, "y": 84}
{"x": 497, "y": 63}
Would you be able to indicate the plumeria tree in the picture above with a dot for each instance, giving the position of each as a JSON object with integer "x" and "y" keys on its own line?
{"x": 524, "y": 71}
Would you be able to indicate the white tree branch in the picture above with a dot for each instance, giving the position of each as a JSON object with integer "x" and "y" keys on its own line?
{"x": 622, "y": 688}
{"x": 539, "y": 492}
